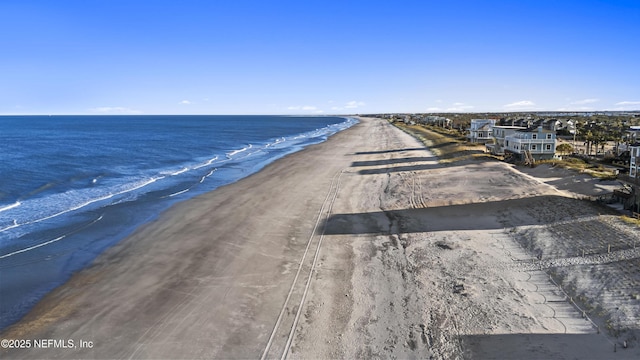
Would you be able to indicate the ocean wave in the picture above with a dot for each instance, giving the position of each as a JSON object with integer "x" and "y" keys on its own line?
{"x": 276, "y": 142}
{"x": 179, "y": 192}
{"x": 49, "y": 241}
{"x": 207, "y": 163}
{"x": 184, "y": 170}
{"x": 73, "y": 199}
{"x": 9, "y": 207}
{"x": 235, "y": 152}
{"x": 206, "y": 176}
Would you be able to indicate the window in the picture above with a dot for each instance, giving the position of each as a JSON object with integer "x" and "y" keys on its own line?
{"x": 548, "y": 146}
{"x": 533, "y": 146}
{"x": 534, "y": 136}
{"x": 548, "y": 136}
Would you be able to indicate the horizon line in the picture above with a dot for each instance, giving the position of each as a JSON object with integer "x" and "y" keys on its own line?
{"x": 349, "y": 114}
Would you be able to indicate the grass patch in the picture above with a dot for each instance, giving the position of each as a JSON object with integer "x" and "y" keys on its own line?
{"x": 630, "y": 220}
{"x": 581, "y": 166}
{"x": 449, "y": 146}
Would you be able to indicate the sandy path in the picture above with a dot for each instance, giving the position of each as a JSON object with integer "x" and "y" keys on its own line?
{"x": 416, "y": 260}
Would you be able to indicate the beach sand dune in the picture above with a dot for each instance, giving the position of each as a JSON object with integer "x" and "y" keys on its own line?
{"x": 360, "y": 247}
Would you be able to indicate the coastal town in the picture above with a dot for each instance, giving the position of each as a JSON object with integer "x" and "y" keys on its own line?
{"x": 609, "y": 141}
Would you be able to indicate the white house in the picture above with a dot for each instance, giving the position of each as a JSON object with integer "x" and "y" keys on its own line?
{"x": 540, "y": 142}
{"x": 633, "y": 134}
{"x": 634, "y": 163}
{"x": 480, "y": 130}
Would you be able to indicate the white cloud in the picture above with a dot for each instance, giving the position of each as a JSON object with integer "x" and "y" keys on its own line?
{"x": 354, "y": 104}
{"x": 455, "y": 107}
{"x": 627, "y": 103}
{"x": 115, "y": 110}
{"x": 185, "y": 102}
{"x": 585, "y": 101}
{"x": 350, "y": 105}
{"x": 574, "y": 108}
{"x": 308, "y": 108}
{"x": 459, "y": 107}
{"x": 524, "y": 104}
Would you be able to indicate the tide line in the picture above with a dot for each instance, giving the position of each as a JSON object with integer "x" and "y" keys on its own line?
{"x": 48, "y": 242}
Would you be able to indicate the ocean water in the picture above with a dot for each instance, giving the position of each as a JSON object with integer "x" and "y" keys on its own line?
{"x": 72, "y": 186}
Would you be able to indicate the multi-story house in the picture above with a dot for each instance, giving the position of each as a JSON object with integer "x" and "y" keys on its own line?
{"x": 634, "y": 163}
{"x": 633, "y": 134}
{"x": 499, "y": 133}
{"x": 480, "y": 130}
{"x": 539, "y": 142}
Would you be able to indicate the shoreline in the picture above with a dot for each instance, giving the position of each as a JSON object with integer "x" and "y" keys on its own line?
{"x": 88, "y": 232}
{"x": 274, "y": 191}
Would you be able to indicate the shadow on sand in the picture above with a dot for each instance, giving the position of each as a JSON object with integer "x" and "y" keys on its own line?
{"x": 474, "y": 216}
{"x": 544, "y": 346}
{"x": 385, "y": 162}
{"x": 388, "y": 151}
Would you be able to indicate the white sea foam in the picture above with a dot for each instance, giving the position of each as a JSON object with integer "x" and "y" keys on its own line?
{"x": 209, "y": 162}
{"x": 179, "y": 192}
{"x": 276, "y": 142}
{"x": 9, "y": 207}
{"x": 14, "y": 225}
{"x": 235, "y": 152}
{"x": 206, "y": 176}
{"x": 60, "y": 199}
{"x": 44, "y": 243}
{"x": 184, "y": 170}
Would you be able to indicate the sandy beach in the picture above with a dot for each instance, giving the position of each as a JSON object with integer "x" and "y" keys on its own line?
{"x": 363, "y": 246}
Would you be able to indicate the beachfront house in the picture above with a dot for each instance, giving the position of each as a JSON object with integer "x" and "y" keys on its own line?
{"x": 633, "y": 134}
{"x": 436, "y": 121}
{"x": 634, "y": 163}
{"x": 499, "y": 133}
{"x": 480, "y": 130}
{"x": 539, "y": 142}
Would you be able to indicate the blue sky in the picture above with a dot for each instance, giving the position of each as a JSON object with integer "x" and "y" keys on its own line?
{"x": 317, "y": 57}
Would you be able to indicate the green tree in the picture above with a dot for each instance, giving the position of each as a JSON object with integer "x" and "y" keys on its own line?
{"x": 564, "y": 148}
{"x": 588, "y": 137}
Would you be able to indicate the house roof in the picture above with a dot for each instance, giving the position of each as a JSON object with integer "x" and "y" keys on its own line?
{"x": 509, "y": 127}
{"x": 536, "y": 129}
